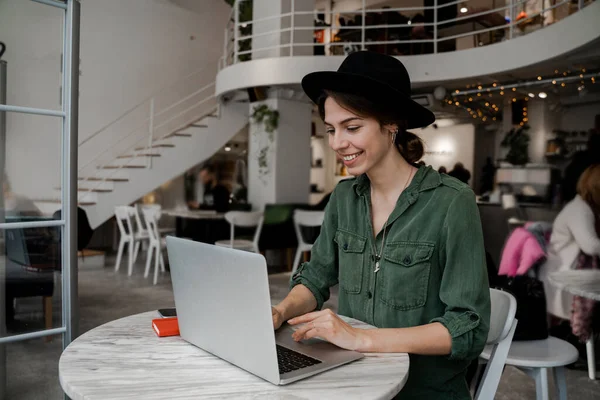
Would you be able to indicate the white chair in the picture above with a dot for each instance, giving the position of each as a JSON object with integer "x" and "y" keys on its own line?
{"x": 502, "y": 330}
{"x": 246, "y": 220}
{"x": 123, "y": 216}
{"x": 141, "y": 232}
{"x": 535, "y": 357}
{"x": 156, "y": 243}
{"x": 308, "y": 219}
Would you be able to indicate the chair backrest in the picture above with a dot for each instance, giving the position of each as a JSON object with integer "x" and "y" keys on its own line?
{"x": 307, "y": 218}
{"x": 151, "y": 216}
{"x": 502, "y": 330}
{"x": 246, "y": 220}
{"x": 123, "y": 216}
{"x": 141, "y": 228}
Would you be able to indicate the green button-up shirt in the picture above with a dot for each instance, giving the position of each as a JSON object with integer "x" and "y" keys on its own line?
{"x": 432, "y": 269}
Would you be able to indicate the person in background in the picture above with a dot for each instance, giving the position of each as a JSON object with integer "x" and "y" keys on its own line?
{"x": 580, "y": 161}
{"x": 442, "y": 170}
{"x": 460, "y": 172}
{"x": 574, "y": 230}
{"x": 216, "y": 196}
{"x": 487, "y": 176}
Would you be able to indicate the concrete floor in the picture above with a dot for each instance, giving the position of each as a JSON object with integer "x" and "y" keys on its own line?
{"x": 32, "y": 366}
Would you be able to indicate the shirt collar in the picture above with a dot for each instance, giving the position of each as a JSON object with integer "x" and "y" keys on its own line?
{"x": 425, "y": 179}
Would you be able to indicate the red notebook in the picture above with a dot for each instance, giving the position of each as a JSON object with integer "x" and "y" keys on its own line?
{"x": 165, "y": 326}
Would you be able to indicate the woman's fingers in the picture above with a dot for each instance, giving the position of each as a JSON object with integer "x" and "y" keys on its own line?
{"x": 306, "y": 318}
{"x": 301, "y": 332}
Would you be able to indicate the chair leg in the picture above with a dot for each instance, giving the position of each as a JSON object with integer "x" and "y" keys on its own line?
{"x": 156, "y": 262}
{"x": 47, "y": 306}
{"x": 162, "y": 262}
{"x": 560, "y": 382}
{"x": 296, "y": 260}
{"x": 541, "y": 383}
{"x": 136, "y": 250}
{"x": 119, "y": 254}
{"x": 591, "y": 356}
{"x": 148, "y": 260}
{"x": 130, "y": 257}
{"x": 305, "y": 256}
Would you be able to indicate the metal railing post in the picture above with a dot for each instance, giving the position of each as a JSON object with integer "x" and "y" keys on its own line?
{"x": 236, "y": 22}
{"x": 293, "y": 11}
{"x": 151, "y": 132}
{"x": 512, "y": 19}
{"x": 3, "y": 262}
{"x": 435, "y": 25}
{"x": 363, "y": 32}
{"x": 70, "y": 303}
{"x": 225, "y": 55}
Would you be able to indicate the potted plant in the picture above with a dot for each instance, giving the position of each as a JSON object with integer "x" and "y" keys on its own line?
{"x": 517, "y": 141}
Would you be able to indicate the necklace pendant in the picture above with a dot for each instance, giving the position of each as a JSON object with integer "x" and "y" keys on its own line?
{"x": 376, "y": 267}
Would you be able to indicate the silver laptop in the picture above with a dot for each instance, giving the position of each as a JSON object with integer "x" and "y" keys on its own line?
{"x": 223, "y": 307}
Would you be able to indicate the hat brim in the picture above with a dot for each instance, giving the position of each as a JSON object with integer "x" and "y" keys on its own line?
{"x": 315, "y": 83}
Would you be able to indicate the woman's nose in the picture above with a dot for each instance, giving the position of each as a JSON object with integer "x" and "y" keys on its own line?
{"x": 337, "y": 142}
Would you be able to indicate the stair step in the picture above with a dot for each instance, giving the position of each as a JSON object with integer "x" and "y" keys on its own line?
{"x": 122, "y": 166}
{"x": 155, "y": 146}
{"x": 58, "y": 201}
{"x": 212, "y": 116}
{"x": 179, "y": 134}
{"x": 95, "y": 179}
{"x": 95, "y": 190}
{"x": 139, "y": 155}
{"x": 199, "y": 126}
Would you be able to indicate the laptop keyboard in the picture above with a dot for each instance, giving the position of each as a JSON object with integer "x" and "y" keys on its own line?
{"x": 290, "y": 360}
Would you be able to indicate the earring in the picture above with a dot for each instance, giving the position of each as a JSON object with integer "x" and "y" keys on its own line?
{"x": 394, "y": 136}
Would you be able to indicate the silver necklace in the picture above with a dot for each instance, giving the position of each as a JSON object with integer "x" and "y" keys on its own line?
{"x": 380, "y": 255}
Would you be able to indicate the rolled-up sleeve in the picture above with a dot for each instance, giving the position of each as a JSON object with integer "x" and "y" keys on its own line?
{"x": 321, "y": 272}
{"x": 464, "y": 288}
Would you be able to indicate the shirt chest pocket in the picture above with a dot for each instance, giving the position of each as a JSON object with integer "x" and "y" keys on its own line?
{"x": 404, "y": 276}
{"x": 351, "y": 248}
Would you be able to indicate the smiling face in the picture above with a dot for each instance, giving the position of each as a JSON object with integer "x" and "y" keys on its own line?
{"x": 362, "y": 143}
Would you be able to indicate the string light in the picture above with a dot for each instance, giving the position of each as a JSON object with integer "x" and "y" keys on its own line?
{"x": 457, "y": 103}
{"x": 556, "y": 71}
{"x": 478, "y": 94}
{"x": 514, "y": 89}
{"x": 457, "y": 91}
{"x": 593, "y": 80}
{"x": 494, "y": 84}
{"x": 554, "y": 81}
{"x": 563, "y": 84}
{"x": 470, "y": 99}
{"x": 493, "y": 119}
{"x": 539, "y": 78}
{"x": 565, "y": 74}
{"x": 487, "y": 104}
{"x": 583, "y": 70}
{"x": 502, "y": 93}
{"x": 514, "y": 100}
{"x": 479, "y": 87}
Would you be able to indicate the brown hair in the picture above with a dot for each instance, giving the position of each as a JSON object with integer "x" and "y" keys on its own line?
{"x": 408, "y": 144}
{"x": 588, "y": 187}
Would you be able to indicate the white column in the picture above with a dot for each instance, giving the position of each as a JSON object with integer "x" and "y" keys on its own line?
{"x": 279, "y": 163}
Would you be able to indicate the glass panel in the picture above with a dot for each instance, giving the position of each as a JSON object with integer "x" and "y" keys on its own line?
{"x": 30, "y": 271}
{"x": 33, "y": 34}
{"x": 32, "y": 370}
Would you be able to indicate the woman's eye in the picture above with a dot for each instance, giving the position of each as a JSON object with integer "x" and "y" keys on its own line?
{"x": 330, "y": 131}
{"x": 353, "y": 128}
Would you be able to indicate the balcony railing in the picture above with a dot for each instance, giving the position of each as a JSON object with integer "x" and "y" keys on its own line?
{"x": 445, "y": 26}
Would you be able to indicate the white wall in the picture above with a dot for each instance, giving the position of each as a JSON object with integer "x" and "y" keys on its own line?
{"x": 448, "y": 145}
{"x": 130, "y": 50}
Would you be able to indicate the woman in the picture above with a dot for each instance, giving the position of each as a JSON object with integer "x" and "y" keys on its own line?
{"x": 404, "y": 243}
{"x": 573, "y": 231}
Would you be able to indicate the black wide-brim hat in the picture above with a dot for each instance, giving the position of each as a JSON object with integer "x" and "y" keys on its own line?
{"x": 379, "y": 78}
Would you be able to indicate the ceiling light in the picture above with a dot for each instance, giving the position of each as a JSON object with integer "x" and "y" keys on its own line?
{"x": 531, "y": 95}
{"x": 227, "y": 148}
{"x": 543, "y": 95}
{"x": 409, "y": 22}
{"x": 580, "y": 88}
{"x": 464, "y": 10}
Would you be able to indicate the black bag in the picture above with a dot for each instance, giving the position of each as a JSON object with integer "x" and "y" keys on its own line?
{"x": 531, "y": 306}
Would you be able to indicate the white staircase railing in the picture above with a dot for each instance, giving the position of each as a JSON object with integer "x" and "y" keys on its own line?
{"x": 423, "y": 30}
{"x": 135, "y": 133}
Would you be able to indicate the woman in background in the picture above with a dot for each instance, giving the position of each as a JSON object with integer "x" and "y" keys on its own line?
{"x": 575, "y": 230}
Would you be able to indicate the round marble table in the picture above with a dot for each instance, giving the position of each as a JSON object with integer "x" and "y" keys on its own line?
{"x": 584, "y": 283}
{"x": 124, "y": 359}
